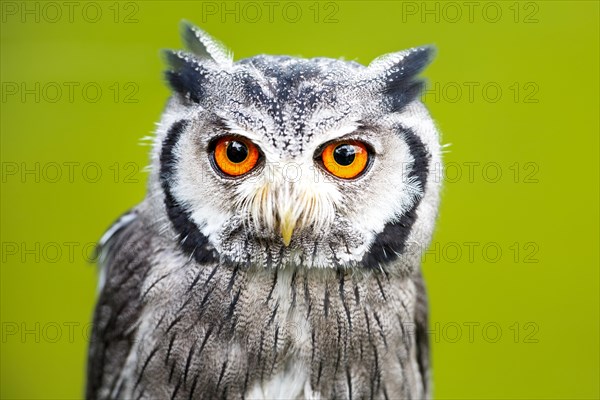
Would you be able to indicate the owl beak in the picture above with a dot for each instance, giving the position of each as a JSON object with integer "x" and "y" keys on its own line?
{"x": 288, "y": 223}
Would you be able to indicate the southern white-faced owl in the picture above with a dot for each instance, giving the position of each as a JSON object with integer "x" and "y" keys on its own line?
{"x": 277, "y": 253}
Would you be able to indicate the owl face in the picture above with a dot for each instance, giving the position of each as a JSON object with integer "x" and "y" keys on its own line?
{"x": 274, "y": 161}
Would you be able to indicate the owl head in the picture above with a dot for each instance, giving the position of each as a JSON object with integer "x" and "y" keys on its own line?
{"x": 274, "y": 161}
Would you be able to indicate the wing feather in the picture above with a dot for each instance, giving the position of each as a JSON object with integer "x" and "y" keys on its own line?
{"x": 123, "y": 258}
{"x": 422, "y": 335}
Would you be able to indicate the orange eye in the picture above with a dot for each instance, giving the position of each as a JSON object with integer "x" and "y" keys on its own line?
{"x": 345, "y": 159}
{"x": 235, "y": 156}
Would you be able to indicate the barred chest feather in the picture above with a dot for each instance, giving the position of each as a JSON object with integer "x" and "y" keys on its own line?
{"x": 219, "y": 332}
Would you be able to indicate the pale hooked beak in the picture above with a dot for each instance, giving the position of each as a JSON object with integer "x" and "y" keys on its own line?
{"x": 286, "y": 226}
{"x": 286, "y": 208}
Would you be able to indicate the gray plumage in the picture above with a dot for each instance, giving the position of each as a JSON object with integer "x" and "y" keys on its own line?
{"x": 200, "y": 297}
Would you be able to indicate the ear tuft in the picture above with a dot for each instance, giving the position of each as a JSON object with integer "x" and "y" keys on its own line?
{"x": 203, "y": 45}
{"x": 399, "y": 71}
{"x": 185, "y": 75}
{"x": 410, "y": 62}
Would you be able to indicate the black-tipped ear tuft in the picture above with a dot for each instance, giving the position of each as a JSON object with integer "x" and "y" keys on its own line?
{"x": 185, "y": 75}
{"x": 203, "y": 45}
{"x": 402, "y": 92}
{"x": 400, "y": 72}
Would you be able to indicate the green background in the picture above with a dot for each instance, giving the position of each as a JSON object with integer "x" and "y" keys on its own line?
{"x": 532, "y": 116}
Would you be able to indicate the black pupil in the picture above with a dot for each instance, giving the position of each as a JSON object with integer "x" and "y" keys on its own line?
{"x": 344, "y": 154}
{"x": 237, "y": 152}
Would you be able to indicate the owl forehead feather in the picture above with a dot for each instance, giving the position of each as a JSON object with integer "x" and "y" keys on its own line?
{"x": 208, "y": 76}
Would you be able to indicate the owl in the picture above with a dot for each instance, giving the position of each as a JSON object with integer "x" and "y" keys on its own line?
{"x": 277, "y": 252}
